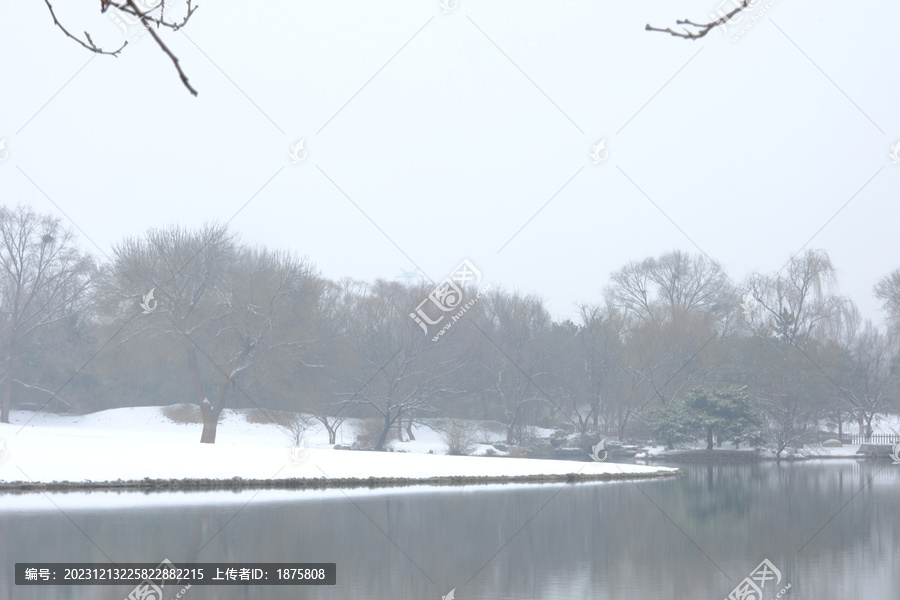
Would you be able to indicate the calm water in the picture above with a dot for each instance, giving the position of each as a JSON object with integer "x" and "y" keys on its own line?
{"x": 832, "y": 528}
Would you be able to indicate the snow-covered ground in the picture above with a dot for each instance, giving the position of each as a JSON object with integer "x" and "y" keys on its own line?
{"x": 137, "y": 443}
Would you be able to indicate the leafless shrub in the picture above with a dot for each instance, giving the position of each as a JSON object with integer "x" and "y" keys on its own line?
{"x": 517, "y": 452}
{"x": 528, "y": 434}
{"x": 280, "y": 418}
{"x": 488, "y": 432}
{"x": 183, "y": 413}
{"x": 297, "y": 426}
{"x": 367, "y": 432}
{"x": 458, "y": 439}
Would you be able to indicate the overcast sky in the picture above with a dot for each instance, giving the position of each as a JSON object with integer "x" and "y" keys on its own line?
{"x": 431, "y": 137}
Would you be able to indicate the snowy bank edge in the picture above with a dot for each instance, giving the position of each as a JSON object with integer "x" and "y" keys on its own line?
{"x": 304, "y": 483}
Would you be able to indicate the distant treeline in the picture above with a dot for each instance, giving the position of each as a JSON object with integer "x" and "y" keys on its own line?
{"x": 231, "y": 325}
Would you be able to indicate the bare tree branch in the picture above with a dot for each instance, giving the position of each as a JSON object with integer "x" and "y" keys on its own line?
{"x": 147, "y": 20}
{"x": 702, "y": 28}
{"x": 90, "y": 45}
{"x": 159, "y": 21}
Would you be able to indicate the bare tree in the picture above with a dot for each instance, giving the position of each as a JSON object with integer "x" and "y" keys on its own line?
{"x": 872, "y": 369}
{"x": 297, "y": 427}
{"x": 631, "y": 290}
{"x": 44, "y": 279}
{"x": 310, "y": 376}
{"x": 400, "y": 372}
{"x": 787, "y": 414}
{"x": 888, "y": 291}
{"x": 584, "y": 361}
{"x": 688, "y": 283}
{"x": 791, "y": 305}
{"x": 233, "y": 307}
{"x": 665, "y": 288}
{"x": 566, "y": 376}
{"x": 325, "y": 377}
{"x": 673, "y": 307}
{"x": 186, "y": 271}
{"x": 266, "y": 316}
{"x": 517, "y": 329}
{"x": 790, "y": 385}
{"x": 837, "y": 337}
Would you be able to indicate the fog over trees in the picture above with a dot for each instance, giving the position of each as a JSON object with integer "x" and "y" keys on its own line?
{"x": 673, "y": 349}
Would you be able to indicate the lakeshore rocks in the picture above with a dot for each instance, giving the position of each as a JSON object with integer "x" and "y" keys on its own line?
{"x": 876, "y": 450}
{"x": 570, "y": 454}
{"x": 578, "y": 449}
{"x": 712, "y": 456}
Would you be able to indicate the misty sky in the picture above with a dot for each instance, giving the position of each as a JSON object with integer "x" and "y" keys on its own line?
{"x": 436, "y": 137}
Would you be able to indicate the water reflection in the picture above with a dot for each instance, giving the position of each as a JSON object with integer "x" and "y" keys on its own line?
{"x": 832, "y": 528}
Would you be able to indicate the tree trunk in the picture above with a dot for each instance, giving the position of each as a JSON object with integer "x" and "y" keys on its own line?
{"x": 209, "y": 411}
{"x": 379, "y": 445}
{"x": 869, "y": 430}
{"x": 332, "y": 434}
{"x": 409, "y": 432}
{"x": 8, "y": 380}
{"x": 7, "y": 395}
{"x": 709, "y": 438}
{"x": 208, "y": 435}
{"x": 210, "y": 422}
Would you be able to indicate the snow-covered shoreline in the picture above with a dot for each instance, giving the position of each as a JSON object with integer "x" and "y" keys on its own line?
{"x": 133, "y": 444}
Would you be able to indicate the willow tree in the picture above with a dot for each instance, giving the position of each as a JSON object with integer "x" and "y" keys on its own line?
{"x": 227, "y": 308}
